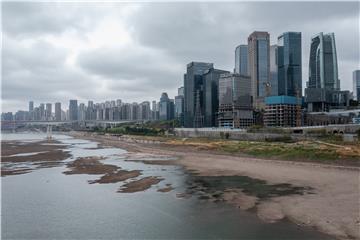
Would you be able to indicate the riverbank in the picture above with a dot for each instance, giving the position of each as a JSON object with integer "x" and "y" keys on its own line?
{"x": 332, "y": 205}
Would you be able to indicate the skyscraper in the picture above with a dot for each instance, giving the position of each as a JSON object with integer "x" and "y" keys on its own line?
{"x": 273, "y": 71}
{"x": 241, "y": 59}
{"x": 356, "y": 84}
{"x": 289, "y": 64}
{"x": 42, "y": 111}
{"x": 193, "y": 83}
{"x": 31, "y": 110}
{"x": 73, "y": 110}
{"x": 323, "y": 68}
{"x": 31, "y": 106}
{"x": 323, "y": 88}
{"x": 57, "y": 111}
{"x": 259, "y": 65}
{"x": 179, "y": 106}
{"x": 48, "y": 111}
{"x": 164, "y": 107}
{"x": 154, "y": 110}
{"x": 210, "y": 96}
{"x": 81, "y": 112}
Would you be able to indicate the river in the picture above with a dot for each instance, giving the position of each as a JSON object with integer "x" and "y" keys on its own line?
{"x": 45, "y": 203}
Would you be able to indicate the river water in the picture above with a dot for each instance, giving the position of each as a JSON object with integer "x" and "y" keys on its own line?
{"x": 46, "y": 204}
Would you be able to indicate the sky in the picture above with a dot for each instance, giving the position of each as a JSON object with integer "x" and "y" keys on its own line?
{"x": 53, "y": 52}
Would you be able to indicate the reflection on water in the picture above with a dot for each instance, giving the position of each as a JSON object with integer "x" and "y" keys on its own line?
{"x": 48, "y": 204}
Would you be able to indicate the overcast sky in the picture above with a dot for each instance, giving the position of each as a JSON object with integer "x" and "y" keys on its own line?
{"x": 59, "y": 51}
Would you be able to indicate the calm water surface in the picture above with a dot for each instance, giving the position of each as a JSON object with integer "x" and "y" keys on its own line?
{"x": 47, "y": 204}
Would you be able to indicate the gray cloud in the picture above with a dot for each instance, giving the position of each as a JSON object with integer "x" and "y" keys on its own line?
{"x": 164, "y": 37}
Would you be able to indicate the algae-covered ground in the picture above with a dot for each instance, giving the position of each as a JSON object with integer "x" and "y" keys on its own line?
{"x": 319, "y": 151}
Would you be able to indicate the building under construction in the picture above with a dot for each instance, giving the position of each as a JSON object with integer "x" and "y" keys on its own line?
{"x": 235, "y": 102}
{"x": 282, "y": 111}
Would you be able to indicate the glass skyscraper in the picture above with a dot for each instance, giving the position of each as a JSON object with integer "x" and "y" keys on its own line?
{"x": 259, "y": 65}
{"x": 289, "y": 64}
{"x": 273, "y": 71}
{"x": 323, "y": 68}
{"x": 241, "y": 60}
{"x": 73, "y": 110}
{"x": 211, "y": 96}
{"x": 193, "y": 84}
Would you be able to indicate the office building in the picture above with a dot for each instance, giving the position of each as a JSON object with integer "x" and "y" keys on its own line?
{"x": 259, "y": 66}
{"x": 272, "y": 89}
{"x": 241, "y": 59}
{"x": 289, "y": 64}
{"x": 235, "y": 101}
{"x": 210, "y": 101}
{"x": 57, "y": 111}
{"x": 73, "y": 110}
{"x": 356, "y": 84}
{"x": 323, "y": 67}
{"x": 323, "y": 88}
{"x": 282, "y": 111}
{"x": 193, "y": 86}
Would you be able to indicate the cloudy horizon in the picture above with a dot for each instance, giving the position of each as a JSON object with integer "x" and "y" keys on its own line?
{"x": 53, "y": 52}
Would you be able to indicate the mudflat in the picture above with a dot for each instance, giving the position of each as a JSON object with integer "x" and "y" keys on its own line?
{"x": 139, "y": 185}
{"x": 326, "y": 196}
{"x": 35, "y": 154}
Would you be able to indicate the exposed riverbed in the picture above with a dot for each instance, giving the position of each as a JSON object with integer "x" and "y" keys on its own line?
{"x": 85, "y": 190}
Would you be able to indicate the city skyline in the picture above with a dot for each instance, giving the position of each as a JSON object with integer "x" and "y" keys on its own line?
{"x": 110, "y": 54}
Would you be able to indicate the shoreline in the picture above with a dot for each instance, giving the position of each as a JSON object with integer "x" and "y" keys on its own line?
{"x": 333, "y": 207}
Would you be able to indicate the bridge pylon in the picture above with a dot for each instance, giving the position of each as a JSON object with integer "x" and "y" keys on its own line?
{"x": 49, "y": 132}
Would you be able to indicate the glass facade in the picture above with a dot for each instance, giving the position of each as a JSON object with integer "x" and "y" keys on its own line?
{"x": 73, "y": 110}
{"x": 241, "y": 59}
{"x": 193, "y": 83}
{"x": 259, "y": 66}
{"x": 234, "y": 89}
{"x": 210, "y": 95}
{"x": 273, "y": 71}
{"x": 289, "y": 64}
{"x": 323, "y": 68}
{"x": 262, "y": 66}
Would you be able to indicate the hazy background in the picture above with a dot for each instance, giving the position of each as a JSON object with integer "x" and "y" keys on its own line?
{"x": 58, "y": 51}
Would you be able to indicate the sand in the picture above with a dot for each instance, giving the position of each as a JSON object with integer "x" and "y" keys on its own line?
{"x": 332, "y": 208}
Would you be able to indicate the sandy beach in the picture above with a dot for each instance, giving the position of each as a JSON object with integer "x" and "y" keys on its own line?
{"x": 332, "y": 206}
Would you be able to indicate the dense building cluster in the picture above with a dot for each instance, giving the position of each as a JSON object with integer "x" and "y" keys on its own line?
{"x": 265, "y": 88}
